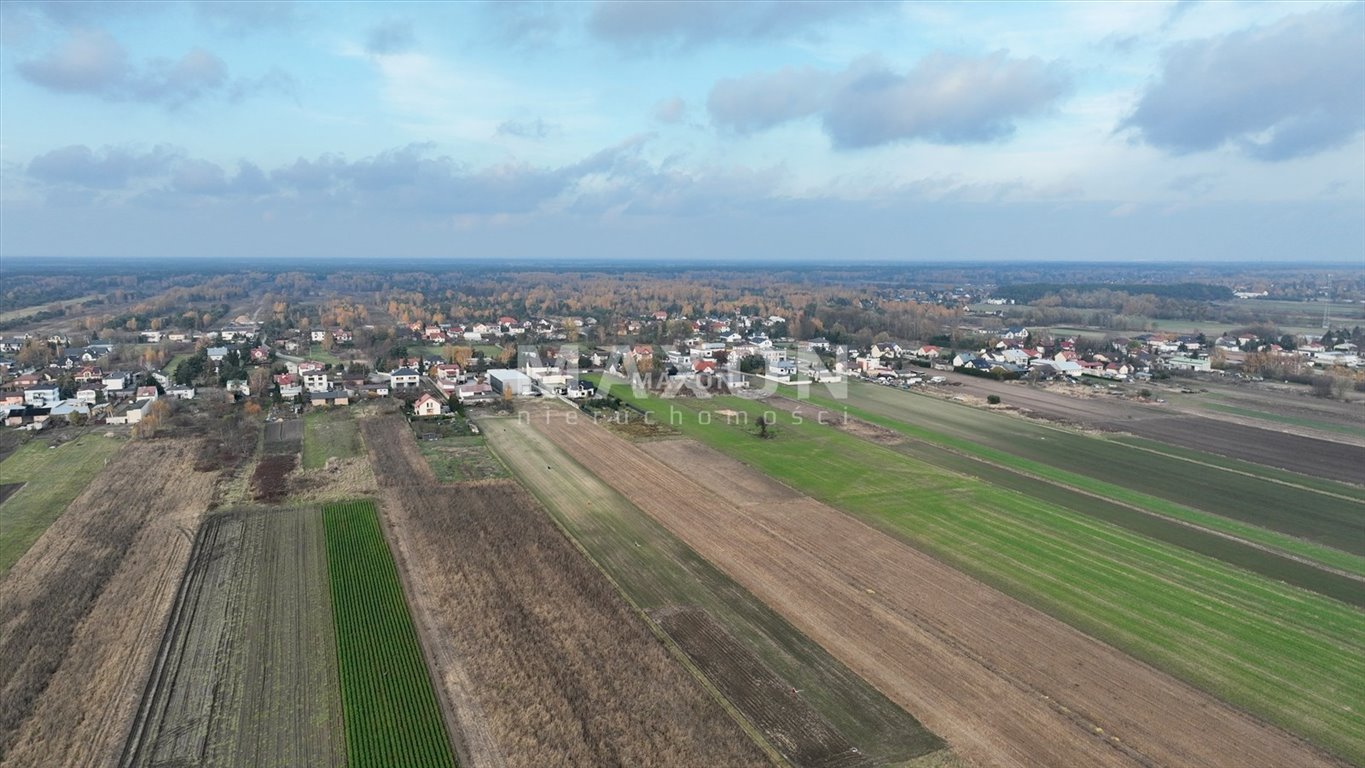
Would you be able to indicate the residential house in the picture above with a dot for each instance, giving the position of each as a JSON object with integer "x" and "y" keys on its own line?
{"x": 331, "y": 397}
{"x": 42, "y": 395}
{"x": 182, "y": 392}
{"x": 404, "y": 379}
{"x": 316, "y": 381}
{"x": 118, "y": 380}
{"x": 427, "y": 405}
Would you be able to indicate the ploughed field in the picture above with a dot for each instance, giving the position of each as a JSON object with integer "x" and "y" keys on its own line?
{"x": 83, "y": 610}
{"x": 1002, "y": 682}
{"x": 748, "y": 652}
{"x": 1316, "y": 457}
{"x": 247, "y": 673}
{"x": 541, "y": 661}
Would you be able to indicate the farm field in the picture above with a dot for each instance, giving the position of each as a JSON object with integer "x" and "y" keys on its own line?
{"x": 454, "y": 452}
{"x": 1303, "y": 564}
{"x": 329, "y": 433}
{"x": 1254, "y": 447}
{"x": 1322, "y": 511}
{"x": 702, "y": 609}
{"x": 1287, "y": 655}
{"x": 392, "y": 715}
{"x": 1002, "y": 683}
{"x": 281, "y": 442}
{"x": 81, "y": 613}
{"x": 51, "y": 478}
{"x": 247, "y": 674}
{"x": 14, "y": 314}
{"x": 541, "y": 660}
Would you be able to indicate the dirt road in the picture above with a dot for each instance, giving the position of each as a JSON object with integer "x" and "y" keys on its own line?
{"x": 1003, "y": 683}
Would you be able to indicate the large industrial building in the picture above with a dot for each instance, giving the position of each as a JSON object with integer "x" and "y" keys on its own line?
{"x": 508, "y": 380}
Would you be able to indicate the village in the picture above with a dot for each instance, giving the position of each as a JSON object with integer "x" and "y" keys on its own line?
{"x": 438, "y": 368}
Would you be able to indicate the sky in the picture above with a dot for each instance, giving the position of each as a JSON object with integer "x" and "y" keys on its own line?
{"x": 822, "y": 131}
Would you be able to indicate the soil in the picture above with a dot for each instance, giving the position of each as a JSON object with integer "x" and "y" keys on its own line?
{"x": 83, "y": 611}
{"x": 541, "y": 660}
{"x": 776, "y": 708}
{"x": 1326, "y": 458}
{"x": 1003, "y": 683}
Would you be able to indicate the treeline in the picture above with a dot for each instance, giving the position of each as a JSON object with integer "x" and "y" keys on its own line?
{"x": 1027, "y": 293}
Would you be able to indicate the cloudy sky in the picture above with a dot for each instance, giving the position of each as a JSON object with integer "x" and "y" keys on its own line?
{"x": 830, "y": 131}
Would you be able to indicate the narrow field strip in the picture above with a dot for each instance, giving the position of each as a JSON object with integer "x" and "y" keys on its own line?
{"x": 392, "y": 716}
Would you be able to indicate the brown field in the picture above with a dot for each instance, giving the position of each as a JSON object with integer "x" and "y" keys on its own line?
{"x": 8, "y": 489}
{"x": 81, "y": 614}
{"x": 247, "y": 673}
{"x": 1003, "y": 683}
{"x": 777, "y": 709}
{"x": 541, "y": 660}
{"x": 1270, "y": 446}
{"x": 283, "y": 441}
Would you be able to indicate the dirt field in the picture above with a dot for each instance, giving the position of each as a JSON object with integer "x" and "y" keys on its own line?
{"x": 1002, "y": 683}
{"x": 776, "y": 708}
{"x": 542, "y": 660}
{"x": 7, "y": 489}
{"x": 663, "y": 576}
{"x": 1272, "y": 447}
{"x": 247, "y": 673}
{"x": 283, "y": 441}
{"x": 82, "y": 612}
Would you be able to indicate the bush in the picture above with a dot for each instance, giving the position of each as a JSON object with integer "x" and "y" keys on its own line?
{"x": 993, "y": 399}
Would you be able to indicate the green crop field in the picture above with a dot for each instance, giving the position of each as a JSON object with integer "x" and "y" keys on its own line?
{"x": 1290, "y": 559}
{"x": 392, "y": 716}
{"x": 52, "y": 478}
{"x": 328, "y": 433}
{"x": 1318, "y": 510}
{"x": 657, "y": 570}
{"x": 1291, "y": 656}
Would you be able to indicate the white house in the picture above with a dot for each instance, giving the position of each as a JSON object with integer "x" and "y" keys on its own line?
{"x": 314, "y": 381}
{"x": 117, "y": 380}
{"x": 404, "y": 378}
{"x": 42, "y": 395}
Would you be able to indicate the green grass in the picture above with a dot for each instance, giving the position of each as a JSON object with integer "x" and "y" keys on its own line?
{"x": 1122, "y": 505}
{"x": 316, "y": 352}
{"x": 175, "y": 363}
{"x": 1321, "y": 511}
{"x": 656, "y": 569}
{"x": 392, "y": 716}
{"x": 52, "y": 478}
{"x": 328, "y": 433}
{"x": 455, "y": 459}
{"x": 1288, "y": 655}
